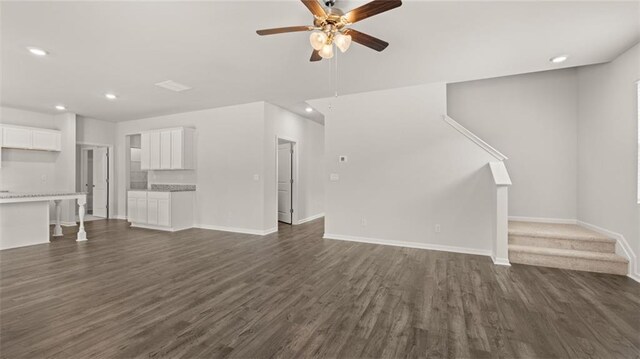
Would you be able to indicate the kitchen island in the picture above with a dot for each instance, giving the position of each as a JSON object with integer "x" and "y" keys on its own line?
{"x": 24, "y": 217}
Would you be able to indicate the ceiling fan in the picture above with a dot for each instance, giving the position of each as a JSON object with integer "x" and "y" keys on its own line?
{"x": 332, "y": 27}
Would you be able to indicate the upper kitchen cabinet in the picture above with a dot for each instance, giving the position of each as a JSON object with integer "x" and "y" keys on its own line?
{"x": 168, "y": 149}
{"x": 30, "y": 138}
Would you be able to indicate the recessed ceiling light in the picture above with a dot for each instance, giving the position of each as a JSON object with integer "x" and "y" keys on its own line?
{"x": 110, "y": 96}
{"x": 60, "y": 107}
{"x": 308, "y": 109}
{"x": 36, "y": 51}
{"x": 559, "y": 59}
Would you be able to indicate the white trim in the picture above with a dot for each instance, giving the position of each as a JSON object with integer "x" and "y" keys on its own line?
{"x": 501, "y": 261}
{"x": 500, "y": 174}
{"x": 311, "y": 218}
{"x": 158, "y": 228}
{"x": 64, "y": 224}
{"x": 256, "y": 232}
{"x": 119, "y": 217}
{"x": 543, "y": 220}
{"x": 477, "y": 140}
{"x": 622, "y": 248}
{"x": 388, "y": 242}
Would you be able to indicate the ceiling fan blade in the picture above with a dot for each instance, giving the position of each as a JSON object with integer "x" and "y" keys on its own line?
{"x": 373, "y": 8}
{"x": 367, "y": 40}
{"x": 315, "y": 56}
{"x": 282, "y": 30}
{"x": 315, "y": 8}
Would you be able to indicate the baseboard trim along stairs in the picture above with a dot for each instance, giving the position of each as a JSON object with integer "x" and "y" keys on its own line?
{"x": 566, "y": 246}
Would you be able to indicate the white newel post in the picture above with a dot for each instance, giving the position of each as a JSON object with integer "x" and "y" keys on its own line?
{"x": 82, "y": 235}
{"x": 57, "y": 230}
{"x": 501, "y": 225}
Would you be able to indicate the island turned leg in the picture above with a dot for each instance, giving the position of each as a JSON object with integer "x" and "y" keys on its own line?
{"x": 57, "y": 230}
{"x": 82, "y": 235}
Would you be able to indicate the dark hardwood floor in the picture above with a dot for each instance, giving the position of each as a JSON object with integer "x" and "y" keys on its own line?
{"x": 204, "y": 294}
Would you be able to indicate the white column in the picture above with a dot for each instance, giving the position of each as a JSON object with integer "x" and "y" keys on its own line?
{"x": 501, "y": 254}
{"x": 57, "y": 230}
{"x": 82, "y": 235}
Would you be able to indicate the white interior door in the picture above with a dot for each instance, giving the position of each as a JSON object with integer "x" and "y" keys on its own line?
{"x": 100, "y": 182}
{"x": 284, "y": 183}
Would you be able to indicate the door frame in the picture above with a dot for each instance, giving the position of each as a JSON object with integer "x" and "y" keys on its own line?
{"x": 295, "y": 145}
{"x": 110, "y": 172}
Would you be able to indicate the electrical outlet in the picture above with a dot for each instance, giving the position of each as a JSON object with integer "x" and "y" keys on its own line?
{"x": 256, "y": 177}
{"x": 43, "y": 178}
{"x": 438, "y": 229}
{"x": 334, "y": 177}
{"x": 363, "y": 222}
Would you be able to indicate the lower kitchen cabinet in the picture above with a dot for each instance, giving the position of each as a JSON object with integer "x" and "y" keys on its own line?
{"x": 168, "y": 211}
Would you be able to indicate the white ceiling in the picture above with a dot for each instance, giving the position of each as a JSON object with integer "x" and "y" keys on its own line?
{"x": 127, "y": 47}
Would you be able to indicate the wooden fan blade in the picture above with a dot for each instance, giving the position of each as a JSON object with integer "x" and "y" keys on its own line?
{"x": 373, "y": 8}
{"x": 367, "y": 40}
{"x": 282, "y": 30}
{"x": 315, "y": 8}
{"x": 315, "y": 56}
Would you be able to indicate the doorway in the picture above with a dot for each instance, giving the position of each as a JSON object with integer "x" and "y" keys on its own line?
{"x": 94, "y": 179}
{"x": 287, "y": 181}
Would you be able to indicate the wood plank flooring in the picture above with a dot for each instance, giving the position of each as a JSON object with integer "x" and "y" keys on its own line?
{"x": 130, "y": 293}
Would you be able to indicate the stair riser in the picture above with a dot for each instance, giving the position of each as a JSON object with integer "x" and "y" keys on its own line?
{"x": 582, "y": 264}
{"x": 577, "y": 244}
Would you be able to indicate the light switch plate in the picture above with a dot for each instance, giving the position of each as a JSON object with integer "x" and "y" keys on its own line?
{"x": 334, "y": 177}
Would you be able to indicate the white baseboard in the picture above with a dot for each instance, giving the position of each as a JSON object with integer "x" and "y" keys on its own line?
{"x": 501, "y": 261}
{"x": 622, "y": 248}
{"x": 311, "y": 218}
{"x": 388, "y": 242}
{"x": 119, "y": 217}
{"x": 256, "y": 232}
{"x": 543, "y": 220}
{"x": 64, "y": 224}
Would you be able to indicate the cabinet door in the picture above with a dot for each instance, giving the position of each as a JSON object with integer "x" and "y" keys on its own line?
{"x": 165, "y": 150}
{"x": 144, "y": 151}
{"x": 45, "y": 140}
{"x": 141, "y": 210}
{"x": 152, "y": 211}
{"x": 154, "y": 150}
{"x": 132, "y": 209}
{"x": 16, "y": 137}
{"x": 177, "y": 152}
{"x": 164, "y": 212}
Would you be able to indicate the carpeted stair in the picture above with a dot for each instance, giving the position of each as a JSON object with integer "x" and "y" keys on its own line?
{"x": 564, "y": 246}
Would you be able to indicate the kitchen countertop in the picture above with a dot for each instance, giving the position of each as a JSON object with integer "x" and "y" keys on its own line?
{"x": 10, "y": 195}
{"x": 168, "y": 188}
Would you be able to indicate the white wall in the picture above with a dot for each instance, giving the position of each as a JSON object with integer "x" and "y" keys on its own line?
{"x": 229, "y": 152}
{"x": 407, "y": 171}
{"x": 38, "y": 171}
{"x": 532, "y": 119}
{"x": 310, "y": 149}
{"x": 608, "y": 147}
{"x": 95, "y": 132}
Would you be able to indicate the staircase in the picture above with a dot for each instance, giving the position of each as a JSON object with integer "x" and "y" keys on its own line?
{"x": 564, "y": 246}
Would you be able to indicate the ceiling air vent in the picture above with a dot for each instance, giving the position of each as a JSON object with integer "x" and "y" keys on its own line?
{"x": 173, "y": 86}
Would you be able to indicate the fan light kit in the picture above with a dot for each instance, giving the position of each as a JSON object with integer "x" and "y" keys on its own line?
{"x": 331, "y": 27}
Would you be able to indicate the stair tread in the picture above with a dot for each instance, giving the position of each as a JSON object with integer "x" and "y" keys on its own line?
{"x": 569, "y": 253}
{"x": 556, "y": 231}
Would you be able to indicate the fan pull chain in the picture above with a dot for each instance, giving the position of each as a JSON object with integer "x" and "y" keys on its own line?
{"x": 334, "y": 73}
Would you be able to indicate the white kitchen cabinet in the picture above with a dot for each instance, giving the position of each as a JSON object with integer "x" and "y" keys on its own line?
{"x": 168, "y": 211}
{"x": 154, "y": 150}
{"x": 169, "y": 149}
{"x": 30, "y": 138}
{"x": 144, "y": 151}
{"x": 165, "y": 150}
{"x": 46, "y": 140}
